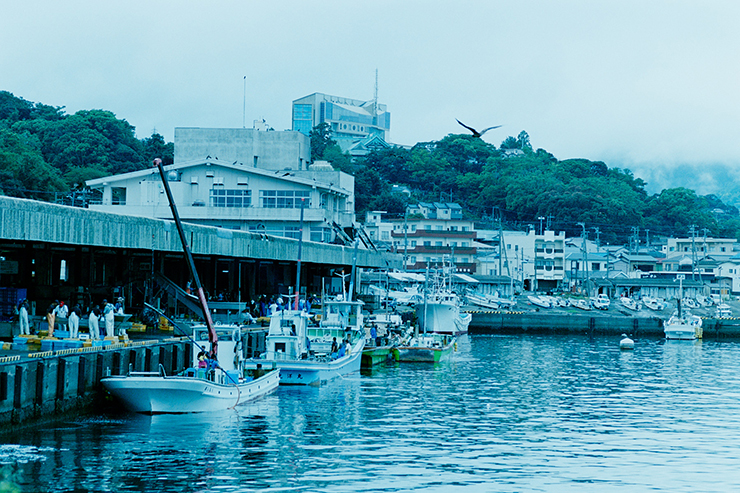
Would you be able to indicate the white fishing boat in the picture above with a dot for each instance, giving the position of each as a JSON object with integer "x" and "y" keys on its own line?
{"x": 683, "y": 326}
{"x": 540, "y": 301}
{"x": 723, "y": 310}
{"x": 440, "y": 310}
{"x": 482, "y": 301}
{"x": 581, "y": 304}
{"x": 629, "y": 303}
{"x": 196, "y": 389}
{"x": 221, "y": 385}
{"x": 653, "y": 304}
{"x": 440, "y": 313}
{"x": 304, "y": 353}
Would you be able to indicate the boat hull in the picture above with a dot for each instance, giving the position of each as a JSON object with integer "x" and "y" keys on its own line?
{"x": 180, "y": 394}
{"x": 313, "y": 372}
{"x": 421, "y": 354}
{"x": 372, "y": 356}
{"x": 443, "y": 318}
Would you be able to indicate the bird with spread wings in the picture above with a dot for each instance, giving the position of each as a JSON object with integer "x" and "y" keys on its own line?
{"x": 475, "y": 132}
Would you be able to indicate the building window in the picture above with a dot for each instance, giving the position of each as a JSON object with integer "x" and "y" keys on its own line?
{"x": 385, "y": 235}
{"x": 413, "y": 243}
{"x": 283, "y": 199}
{"x": 221, "y": 197}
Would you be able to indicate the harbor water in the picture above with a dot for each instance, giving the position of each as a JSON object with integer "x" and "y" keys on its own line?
{"x": 507, "y": 413}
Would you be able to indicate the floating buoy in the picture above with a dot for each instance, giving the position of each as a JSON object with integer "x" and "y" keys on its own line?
{"x": 626, "y": 343}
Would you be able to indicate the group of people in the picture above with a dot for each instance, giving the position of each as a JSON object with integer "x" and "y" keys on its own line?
{"x": 338, "y": 351}
{"x": 269, "y": 306}
{"x": 58, "y": 315}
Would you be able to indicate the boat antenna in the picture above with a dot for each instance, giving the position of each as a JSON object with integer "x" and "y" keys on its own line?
{"x": 212, "y": 337}
{"x": 298, "y": 267}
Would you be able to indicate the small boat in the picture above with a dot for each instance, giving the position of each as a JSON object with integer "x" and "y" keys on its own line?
{"x": 626, "y": 343}
{"x": 380, "y": 349}
{"x": 196, "y": 389}
{"x": 482, "y": 301}
{"x": 723, "y": 310}
{"x": 690, "y": 303}
{"x": 439, "y": 311}
{"x": 581, "y": 304}
{"x": 653, "y": 304}
{"x": 304, "y": 353}
{"x": 683, "y": 326}
{"x": 540, "y": 301}
{"x": 629, "y": 303}
{"x": 426, "y": 348}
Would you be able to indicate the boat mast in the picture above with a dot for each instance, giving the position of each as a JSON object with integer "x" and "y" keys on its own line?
{"x": 212, "y": 337}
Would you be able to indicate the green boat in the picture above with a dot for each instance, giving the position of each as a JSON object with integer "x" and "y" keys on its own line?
{"x": 376, "y": 355}
{"x": 427, "y": 348}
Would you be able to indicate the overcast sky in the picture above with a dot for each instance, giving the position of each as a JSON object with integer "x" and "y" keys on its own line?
{"x": 648, "y": 85}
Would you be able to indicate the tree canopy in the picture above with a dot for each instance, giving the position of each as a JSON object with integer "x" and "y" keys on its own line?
{"x": 45, "y": 152}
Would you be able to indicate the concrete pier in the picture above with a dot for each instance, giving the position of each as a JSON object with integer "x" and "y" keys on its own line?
{"x": 595, "y": 323}
{"x": 46, "y": 385}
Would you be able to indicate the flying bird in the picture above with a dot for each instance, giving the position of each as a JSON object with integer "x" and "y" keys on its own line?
{"x": 475, "y": 132}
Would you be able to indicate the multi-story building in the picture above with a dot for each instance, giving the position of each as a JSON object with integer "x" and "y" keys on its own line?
{"x": 357, "y": 126}
{"x": 537, "y": 261}
{"x": 378, "y": 230}
{"x": 259, "y": 188}
{"x": 433, "y": 233}
{"x": 701, "y": 246}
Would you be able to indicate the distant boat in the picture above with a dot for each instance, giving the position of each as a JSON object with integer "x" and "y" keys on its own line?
{"x": 629, "y": 303}
{"x": 581, "y": 304}
{"x": 540, "y": 301}
{"x": 653, "y": 304}
{"x": 723, "y": 310}
{"x": 683, "y": 326}
{"x": 426, "y": 348}
{"x": 482, "y": 301}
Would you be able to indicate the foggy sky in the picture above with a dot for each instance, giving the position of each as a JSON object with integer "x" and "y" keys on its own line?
{"x": 647, "y": 85}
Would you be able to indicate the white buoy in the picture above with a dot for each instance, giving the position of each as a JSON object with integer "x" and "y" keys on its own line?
{"x": 626, "y": 343}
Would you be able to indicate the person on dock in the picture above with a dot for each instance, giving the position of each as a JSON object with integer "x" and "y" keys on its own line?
{"x": 74, "y": 322}
{"x": 61, "y": 311}
{"x": 109, "y": 316}
{"x": 51, "y": 318}
{"x": 94, "y": 323}
{"x": 23, "y": 317}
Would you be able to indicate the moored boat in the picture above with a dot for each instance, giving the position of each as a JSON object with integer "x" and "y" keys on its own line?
{"x": 304, "y": 354}
{"x": 683, "y": 326}
{"x": 219, "y": 386}
{"x": 196, "y": 389}
{"x": 426, "y": 348}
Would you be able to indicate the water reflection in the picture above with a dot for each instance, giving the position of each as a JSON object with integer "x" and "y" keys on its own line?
{"x": 508, "y": 413}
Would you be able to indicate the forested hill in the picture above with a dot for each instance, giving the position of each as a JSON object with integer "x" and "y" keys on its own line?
{"x": 45, "y": 154}
{"x": 524, "y": 187}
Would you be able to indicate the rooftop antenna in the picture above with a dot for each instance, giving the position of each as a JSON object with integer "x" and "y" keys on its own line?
{"x": 375, "y": 100}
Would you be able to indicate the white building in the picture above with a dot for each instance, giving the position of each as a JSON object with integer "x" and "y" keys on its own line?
{"x": 239, "y": 193}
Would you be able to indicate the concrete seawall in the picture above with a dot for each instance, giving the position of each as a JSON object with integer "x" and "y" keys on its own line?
{"x": 47, "y": 385}
{"x": 494, "y": 322}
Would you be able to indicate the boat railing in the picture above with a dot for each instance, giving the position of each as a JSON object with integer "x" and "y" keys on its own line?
{"x": 159, "y": 373}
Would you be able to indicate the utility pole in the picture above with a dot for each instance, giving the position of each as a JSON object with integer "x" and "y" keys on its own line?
{"x": 598, "y": 239}
{"x": 541, "y": 218}
{"x": 405, "y": 239}
{"x": 585, "y": 258}
{"x": 692, "y": 230}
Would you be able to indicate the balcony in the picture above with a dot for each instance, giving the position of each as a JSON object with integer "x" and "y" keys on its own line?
{"x": 430, "y": 233}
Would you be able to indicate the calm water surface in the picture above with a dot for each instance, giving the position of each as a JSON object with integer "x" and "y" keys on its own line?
{"x": 508, "y": 413}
